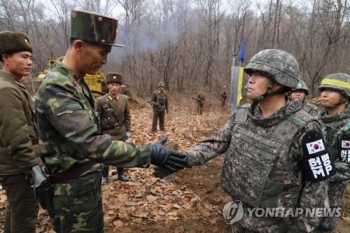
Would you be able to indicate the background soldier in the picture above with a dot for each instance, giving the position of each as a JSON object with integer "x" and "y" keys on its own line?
{"x": 17, "y": 134}
{"x": 269, "y": 151}
{"x": 114, "y": 116}
{"x": 71, "y": 145}
{"x": 125, "y": 90}
{"x": 300, "y": 93}
{"x": 223, "y": 97}
{"x": 200, "y": 98}
{"x": 335, "y": 96}
{"x": 159, "y": 101}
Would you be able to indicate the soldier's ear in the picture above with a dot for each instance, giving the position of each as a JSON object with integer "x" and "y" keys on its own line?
{"x": 78, "y": 45}
{"x": 277, "y": 86}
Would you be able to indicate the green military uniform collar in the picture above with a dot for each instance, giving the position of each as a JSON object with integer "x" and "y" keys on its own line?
{"x": 65, "y": 71}
{"x": 110, "y": 97}
{"x": 7, "y": 76}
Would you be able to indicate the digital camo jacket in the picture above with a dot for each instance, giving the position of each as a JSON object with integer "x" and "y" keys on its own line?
{"x": 67, "y": 126}
{"x": 336, "y": 129}
{"x": 262, "y": 165}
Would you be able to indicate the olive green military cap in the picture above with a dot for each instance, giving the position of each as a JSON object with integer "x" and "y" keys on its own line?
{"x": 114, "y": 78}
{"x": 94, "y": 28}
{"x": 12, "y": 42}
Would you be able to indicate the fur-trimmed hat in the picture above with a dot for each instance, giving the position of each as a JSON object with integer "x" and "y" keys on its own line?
{"x": 12, "y": 42}
{"x": 114, "y": 78}
{"x": 94, "y": 28}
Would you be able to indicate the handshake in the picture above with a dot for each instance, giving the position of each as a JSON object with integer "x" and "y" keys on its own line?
{"x": 168, "y": 161}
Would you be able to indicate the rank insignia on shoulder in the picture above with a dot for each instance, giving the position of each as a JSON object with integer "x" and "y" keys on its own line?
{"x": 317, "y": 164}
{"x": 345, "y": 148}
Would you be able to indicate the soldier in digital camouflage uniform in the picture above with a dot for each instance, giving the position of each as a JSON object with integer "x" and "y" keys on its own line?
{"x": 114, "y": 117}
{"x": 159, "y": 101}
{"x": 271, "y": 146}
{"x": 300, "y": 93}
{"x": 71, "y": 145}
{"x": 17, "y": 134}
{"x": 335, "y": 96}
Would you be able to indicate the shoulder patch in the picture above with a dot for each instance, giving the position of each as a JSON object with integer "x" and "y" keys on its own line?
{"x": 317, "y": 164}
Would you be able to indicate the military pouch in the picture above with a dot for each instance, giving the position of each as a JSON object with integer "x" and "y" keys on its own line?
{"x": 253, "y": 161}
{"x": 45, "y": 197}
{"x": 43, "y": 189}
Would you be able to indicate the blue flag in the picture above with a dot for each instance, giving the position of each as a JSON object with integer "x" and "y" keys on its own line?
{"x": 241, "y": 55}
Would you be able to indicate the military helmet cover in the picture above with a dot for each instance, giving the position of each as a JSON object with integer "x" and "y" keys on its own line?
{"x": 114, "y": 78}
{"x": 94, "y": 28}
{"x": 301, "y": 86}
{"x": 12, "y": 42}
{"x": 161, "y": 84}
{"x": 279, "y": 65}
{"x": 337, "y": 81}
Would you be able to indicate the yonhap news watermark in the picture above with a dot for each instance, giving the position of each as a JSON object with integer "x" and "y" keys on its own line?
{"x": 233, "y": 212}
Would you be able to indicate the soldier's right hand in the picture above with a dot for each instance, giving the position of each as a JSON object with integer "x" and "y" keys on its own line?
{"x": 161, "y": 173}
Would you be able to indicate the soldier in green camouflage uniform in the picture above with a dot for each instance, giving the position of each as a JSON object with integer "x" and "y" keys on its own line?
{"x": 270, "y": 151}
{"x": 159, "y": 101}
{"x": 17, "y": 134}
{"x": 300, "y": 93}
{"x": 335, "y": 96}
{"x": 223, "y": 97}
{"x": 200, "y": 99}
{"x": 71, "y": 145}
{"x": 114, "y": 117}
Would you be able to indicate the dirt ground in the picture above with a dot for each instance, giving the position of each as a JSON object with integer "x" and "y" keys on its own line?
{"x": 187, "y": 202}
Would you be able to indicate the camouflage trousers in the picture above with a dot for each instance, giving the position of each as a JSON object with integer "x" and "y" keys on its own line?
{"x": 158, "y": 115}
{"x": 22, "y": 209}
{"x": 78, "y": 205}
{"x": 327, "y": 225}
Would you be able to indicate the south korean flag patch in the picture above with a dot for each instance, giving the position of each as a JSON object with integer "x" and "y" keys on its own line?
{"x": 345, "y": 148}
{"x": 317, "y": 164}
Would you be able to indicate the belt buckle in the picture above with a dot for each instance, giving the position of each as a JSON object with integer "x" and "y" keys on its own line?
{"x": 116, "y": 125}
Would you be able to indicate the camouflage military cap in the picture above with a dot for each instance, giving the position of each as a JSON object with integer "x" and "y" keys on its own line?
{"x": 12, "y": 42}
{"x": 114, "y": 78}
{"x": 161, "y": 84}
{"x": 337, "y": 81}
{"x": 280, "y": 66}
{"x": 93, "y": 28}
{"x": 301, "y": 87}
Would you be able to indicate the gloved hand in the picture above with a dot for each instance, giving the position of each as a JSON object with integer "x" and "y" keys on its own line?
{"x": 127, "y": 134}
{"x": 161, "y": 173}
{"x": 164, "y": 157}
